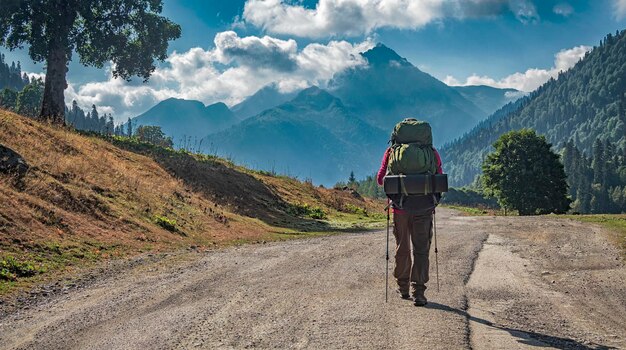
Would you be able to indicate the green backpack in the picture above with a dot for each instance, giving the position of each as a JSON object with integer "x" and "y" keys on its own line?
{"x": 412, "y": 149}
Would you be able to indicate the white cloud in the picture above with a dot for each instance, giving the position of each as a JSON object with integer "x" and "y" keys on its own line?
{"x": 567, "y": 59}
{"x": 266, "y": 52}
{"x": 524, "y": 10}
{"x": 33, "y": 76}
{"x": 531, "y": 79}
{"x": 234, "y": 69}
{"x": 620, "y": 9}
{"x": 333, "y": 18}
{"x": 340, "y": 17}
{"x": 563, "y": 9}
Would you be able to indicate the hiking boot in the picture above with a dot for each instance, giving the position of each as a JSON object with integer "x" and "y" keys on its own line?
{"x": 419, "y": 297}
{"x": 404, "y": 294}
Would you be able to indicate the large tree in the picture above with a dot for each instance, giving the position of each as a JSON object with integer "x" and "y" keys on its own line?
{"x": 524, "y": 174}
{"x": 129, "y": 33}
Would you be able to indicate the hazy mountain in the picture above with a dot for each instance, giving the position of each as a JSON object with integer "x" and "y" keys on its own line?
{"x": 389, "y": 88}
{"x": 314, "y": 135}
{"x": 184, "y": 118}
{"x": 487, "y": 98}
{"x": 325, "y": 134}
{"x": 584, "y": 104}
{"x": 266, "y": 98}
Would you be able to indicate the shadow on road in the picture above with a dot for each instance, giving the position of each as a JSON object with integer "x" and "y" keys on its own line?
{"x": 525, "y": 337}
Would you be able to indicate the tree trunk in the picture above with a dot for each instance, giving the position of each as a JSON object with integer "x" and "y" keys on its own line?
{"x": 53, "y": 105}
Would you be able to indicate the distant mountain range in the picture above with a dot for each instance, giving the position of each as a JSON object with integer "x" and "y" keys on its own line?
{"x": 586, "y": 103}
{"x": 487, "y": 98}
{"x": 264, "y": 99}
{"x": 324, "y": 134}
{"x": 313, "y": 136}
{"x": 182, "y": 119}
{"x": 390, "y": 88}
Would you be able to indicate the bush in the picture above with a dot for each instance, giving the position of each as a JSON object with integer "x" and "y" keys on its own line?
{"x": 303, "y": 210}
{"x": 166, "y": 223}
{"x": 11, "y": 269}
{"x": 356, "y": 210}
{"x": 317, "y": 213}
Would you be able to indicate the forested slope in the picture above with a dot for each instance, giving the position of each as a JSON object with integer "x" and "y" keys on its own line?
{"x": 586, "y": 103}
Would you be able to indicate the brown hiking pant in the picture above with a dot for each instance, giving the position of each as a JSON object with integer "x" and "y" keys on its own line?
{"x": 412, "y": 230}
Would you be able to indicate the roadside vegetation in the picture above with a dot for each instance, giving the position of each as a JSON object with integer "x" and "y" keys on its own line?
{"x": 478, "y": 211}
{"x": 78, "y": 199}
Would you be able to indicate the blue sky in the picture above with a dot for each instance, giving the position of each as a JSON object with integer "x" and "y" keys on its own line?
{"x": 498, "y": 42}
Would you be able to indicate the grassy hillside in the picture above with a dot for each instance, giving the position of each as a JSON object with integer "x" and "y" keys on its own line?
{"x": 86, "y": 198}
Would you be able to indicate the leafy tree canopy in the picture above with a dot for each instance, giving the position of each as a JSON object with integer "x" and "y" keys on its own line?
{"x": 524, "y": 174}
{"x": 29, "y": 99}
{"x": 129, "y": 33}
{"x": 153, "y": 135}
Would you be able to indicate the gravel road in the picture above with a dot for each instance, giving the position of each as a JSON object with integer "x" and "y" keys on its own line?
{"x": 505, "y": 283}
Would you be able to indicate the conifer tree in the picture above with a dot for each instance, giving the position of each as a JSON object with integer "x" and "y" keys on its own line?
{"x": 129, "y": 131}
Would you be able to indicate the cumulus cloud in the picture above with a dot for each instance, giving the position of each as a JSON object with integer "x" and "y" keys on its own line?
{"x": 620, "y": 9}
{"x": 335, "y": 17}
{"x": 233, "y": 69}
{"x": 531, "y": 79}
{"x": 355, "y": 17}
{"x": 266, "y": 52}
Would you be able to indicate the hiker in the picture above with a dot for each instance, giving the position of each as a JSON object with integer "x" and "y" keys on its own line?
{"x": 411, "y": 152}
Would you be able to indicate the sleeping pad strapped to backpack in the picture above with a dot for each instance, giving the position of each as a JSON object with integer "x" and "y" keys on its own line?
{"x": 412, "y": 154}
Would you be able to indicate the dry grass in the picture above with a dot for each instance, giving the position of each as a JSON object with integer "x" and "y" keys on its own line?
{"x": 85, "y": 199}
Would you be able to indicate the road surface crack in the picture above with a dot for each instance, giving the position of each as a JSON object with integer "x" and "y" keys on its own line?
{"x": 465, "y": 300}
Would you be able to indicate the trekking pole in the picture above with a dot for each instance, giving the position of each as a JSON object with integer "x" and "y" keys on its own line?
{"x": 436, "y": 259}
{"x": 387, "y": 254}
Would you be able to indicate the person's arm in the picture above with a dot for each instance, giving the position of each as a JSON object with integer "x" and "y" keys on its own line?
{"x": 439, "y": 164}
{"x": 383, "y": 168}
{"x": 439, "y": 171}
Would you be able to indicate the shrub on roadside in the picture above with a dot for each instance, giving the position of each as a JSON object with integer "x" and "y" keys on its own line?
{"x": 301, "y": 210}
{"x": 11, "y": 269}
{"x": 356, "y": 210}
{"x": 166, "y": 223}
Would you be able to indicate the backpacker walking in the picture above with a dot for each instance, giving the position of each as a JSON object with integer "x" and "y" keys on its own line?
{"x": 412, "y": 153}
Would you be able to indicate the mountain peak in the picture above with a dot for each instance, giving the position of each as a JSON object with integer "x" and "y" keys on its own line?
{"x": 383, "y": 55}
{"x": 316, "y": 98}
{"x": 220, "y": 106}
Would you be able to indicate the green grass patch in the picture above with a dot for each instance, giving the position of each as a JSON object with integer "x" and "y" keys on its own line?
{"x": 306, "y": 210}
{"x": 42, "y": 261}
{"x": 480, "y": 211}
{"x": 11, "y": 269}
{"x": 168, "y": 224}
{"x": 356, "y": 210}
{"x": 469, "y": 210}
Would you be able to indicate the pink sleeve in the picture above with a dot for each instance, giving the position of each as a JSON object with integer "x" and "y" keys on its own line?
{"x": 383, "y": 168}
{"x": 439, "y": 164}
